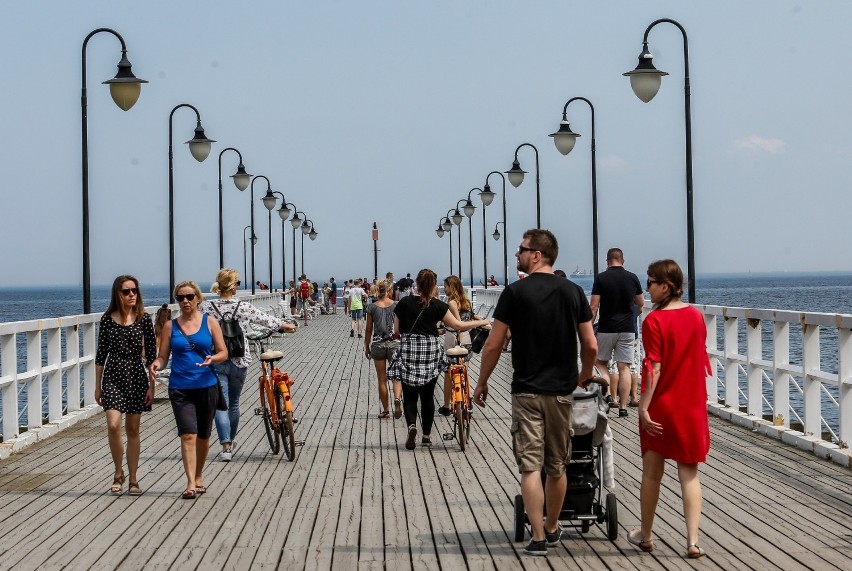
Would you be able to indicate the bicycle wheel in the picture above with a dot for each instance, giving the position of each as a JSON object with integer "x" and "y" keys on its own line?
{"x": 271, "y": 435}
{"x": 285, "y": 426}
{"x": 459, "y": 421}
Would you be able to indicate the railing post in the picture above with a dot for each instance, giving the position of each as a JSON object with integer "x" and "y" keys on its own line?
{"x": 54, "y": 375}
{"x": 844, "y": 377}
{"x": 72, "y": 377}
{"x": 780, "y": 378}
{"x": 810, "y": 385}
{"x": 9, "y": 370}
{"x": 731, "y": 349}
{"x": 88, "y": 367}
{"x": 34, "y": 385}
{"x": 754, "y": 352}
{"x": 712, "y": 345}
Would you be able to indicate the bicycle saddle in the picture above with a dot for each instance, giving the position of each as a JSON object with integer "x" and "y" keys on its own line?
{"x": 271, "y": 356}
{"x": 457, "y": 351}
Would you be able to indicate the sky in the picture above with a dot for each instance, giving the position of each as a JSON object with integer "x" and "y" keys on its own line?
{"x": 393, "y": 111}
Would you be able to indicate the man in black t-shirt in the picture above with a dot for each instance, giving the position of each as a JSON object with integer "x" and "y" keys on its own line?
{"x": 616, "y": 292}
{"x": 547, "y": 314}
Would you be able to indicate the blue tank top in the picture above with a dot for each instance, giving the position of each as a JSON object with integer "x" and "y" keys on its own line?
{"x": 186, "y": 374}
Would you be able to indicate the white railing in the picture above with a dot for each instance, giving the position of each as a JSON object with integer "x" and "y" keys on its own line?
{"x": 53, "y": 362}
{"x": 786, "y": 374}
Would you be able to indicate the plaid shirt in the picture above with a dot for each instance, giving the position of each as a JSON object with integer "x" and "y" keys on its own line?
{"x": 419, "y": 360}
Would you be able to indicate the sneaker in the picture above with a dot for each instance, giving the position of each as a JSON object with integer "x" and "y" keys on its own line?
{"x": 412, "y": 436}
{"x": 444, "y": 411}
{"x": 351, "y": 333}
{"x": 359, "y": 336}
{"x": 622, "y": 412}
{"x": 553, "y": 538}
{"x": 536, "y": 548}
{"x": 225, "y": 456}
{"x": 609, "y": 401}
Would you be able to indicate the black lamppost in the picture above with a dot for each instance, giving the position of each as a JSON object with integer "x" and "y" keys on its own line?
{"x": 487, "y": 198}
{"x": 444, "y": 225}
{"x": 564, "y": 140}
{"x": 375, "y": 236}
{"x": 268, "y": 189}
{"x": 269, "y": 202}
{"x": 516, "y": 177}
{"x": 199, "y": 146}
{"x": 307, "y": 230}
{"x": 296, "y": 223}
{"x": 468, "y": 210}
{"x": 245, "y": 266}
{"x": 124, "y": 89}
{"x": 457, "y": 218}
{"x": 241, "y": 181}
{"x": 645, "y": 81}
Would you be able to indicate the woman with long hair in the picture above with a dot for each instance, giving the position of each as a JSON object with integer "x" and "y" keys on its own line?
{"x": 125, "y": 349}
{"x": 196, "y": 344}
{"x": 462, "y": 310}
{"x": 673, "y": 420}
{"x": 380, "y": 344}
{"x": 232, "y": 373}
{"x": 420, "y": 357}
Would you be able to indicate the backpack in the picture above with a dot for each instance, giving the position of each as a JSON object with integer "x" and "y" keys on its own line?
{"x": 232, "y": 332}
{"x": 304, "y": 290}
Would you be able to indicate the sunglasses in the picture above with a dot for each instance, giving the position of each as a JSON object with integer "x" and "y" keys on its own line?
{"x": 130, "y": 291}
{"x": 238, "y": 282}
{"x": 522, "y": 249}
{"x": 185, "y": 296}
{"x": 649, "y": 283}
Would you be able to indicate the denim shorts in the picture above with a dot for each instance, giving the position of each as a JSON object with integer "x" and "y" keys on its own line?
{"x": 357, "y": 314}
{"x": 383, "y": 350}
{"x": 541, "y": 432}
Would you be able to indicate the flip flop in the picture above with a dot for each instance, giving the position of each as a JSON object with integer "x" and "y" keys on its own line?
{"x": 692, "y": 555}
{"x": 188, "y": 495}
{"x": 200, "y": 489}
{"x": 384, "y": 414}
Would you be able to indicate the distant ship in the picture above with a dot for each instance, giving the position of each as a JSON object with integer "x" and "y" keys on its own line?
{"x": 580, "y": 273}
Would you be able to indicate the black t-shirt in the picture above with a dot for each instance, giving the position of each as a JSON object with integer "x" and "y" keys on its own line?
{"x": 408, "y": 309}
{"x": 617, "y": 288}
{"x": 543, "y": 312}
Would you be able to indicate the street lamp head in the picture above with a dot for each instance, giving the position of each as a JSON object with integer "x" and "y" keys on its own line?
{"x": 284, "y": 212}
{"x": 241, "y": 178}
{"x": 564, "y": 138}
{"x": 199, "y": 145}
{"x": 446, "y": 224}
{"x": 469, "y": 209}
{"x": 496, "y": 234}
{"x": 516, "y": 174}
{"x": 269, "y": 200}
{"x": 295, "y": 222}
{"x": 313, "y": 234}
{"x": 439, "y": 231}
{"x": 486, "y": 196}
{"x": 645, "y": 79}
{"x": 306, "y": 228}
{"x": 254, "y": 238}
{"x": 125, "y": 87}
{"x": 457, "y": 217}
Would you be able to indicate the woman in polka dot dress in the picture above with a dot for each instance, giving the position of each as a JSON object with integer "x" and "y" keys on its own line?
{"x": 122, "y": 385}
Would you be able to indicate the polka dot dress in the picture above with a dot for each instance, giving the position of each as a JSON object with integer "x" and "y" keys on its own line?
{"x": 120, "y": 352}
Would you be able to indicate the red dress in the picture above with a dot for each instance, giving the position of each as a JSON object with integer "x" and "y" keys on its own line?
{"x": 676, "y": 339}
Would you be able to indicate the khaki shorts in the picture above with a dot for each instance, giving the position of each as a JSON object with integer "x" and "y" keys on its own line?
{"x": 383, "y": 350}
{"x": 618, "y": 346}
{"x": 541, "y": 432}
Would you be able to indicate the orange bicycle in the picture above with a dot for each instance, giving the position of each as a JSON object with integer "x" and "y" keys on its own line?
{"x": 276, "y": 405}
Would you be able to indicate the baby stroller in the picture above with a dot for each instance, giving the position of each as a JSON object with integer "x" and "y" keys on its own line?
{"x": 589, "y": 472}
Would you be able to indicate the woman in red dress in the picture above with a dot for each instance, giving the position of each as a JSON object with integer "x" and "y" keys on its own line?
{"x": 673, "y": 420}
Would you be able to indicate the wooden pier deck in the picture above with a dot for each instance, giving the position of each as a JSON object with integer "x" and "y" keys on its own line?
{"x": 355, "y": 498}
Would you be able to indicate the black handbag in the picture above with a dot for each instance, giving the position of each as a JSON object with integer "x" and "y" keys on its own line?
{"x": 477, "y": 339}
{"x": 221, "y": 404}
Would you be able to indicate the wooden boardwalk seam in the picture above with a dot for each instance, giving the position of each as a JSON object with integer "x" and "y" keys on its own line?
{"x": 354, "y": 498}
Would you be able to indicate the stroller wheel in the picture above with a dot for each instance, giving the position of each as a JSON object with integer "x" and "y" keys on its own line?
{"x": 520, "y": 518}
{"x": 611, "y": 517}
{"x": 585, "y": 527}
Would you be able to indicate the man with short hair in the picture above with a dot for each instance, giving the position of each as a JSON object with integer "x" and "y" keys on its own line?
{"x": 332, "y": 296}
{"x": 304, "y": 293}
{"x": 547, "y": 315}
{"x": 614, "y": 293}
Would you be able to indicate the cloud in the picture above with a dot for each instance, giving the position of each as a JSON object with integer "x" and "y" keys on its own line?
{"x": 612, "y": 162}
{"x": 761, "y": 144}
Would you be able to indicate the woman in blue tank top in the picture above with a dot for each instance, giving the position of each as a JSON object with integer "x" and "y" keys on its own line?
{"x": 195, "y": 343}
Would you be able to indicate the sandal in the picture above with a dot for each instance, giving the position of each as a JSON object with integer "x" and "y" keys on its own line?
{"x": 693, "y": 554}
{"x": 397, "y": 408}
{"x": 635, "y": 537}
{"x": 384, "y": 414}
{"x": 134, "y": 489}
{"x": 188, "y": 494}
{"x": 117, "y": 483}
{"x": 201, "y": 489}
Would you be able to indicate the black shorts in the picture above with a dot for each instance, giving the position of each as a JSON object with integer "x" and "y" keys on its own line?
{"x": 194, "y": 410}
